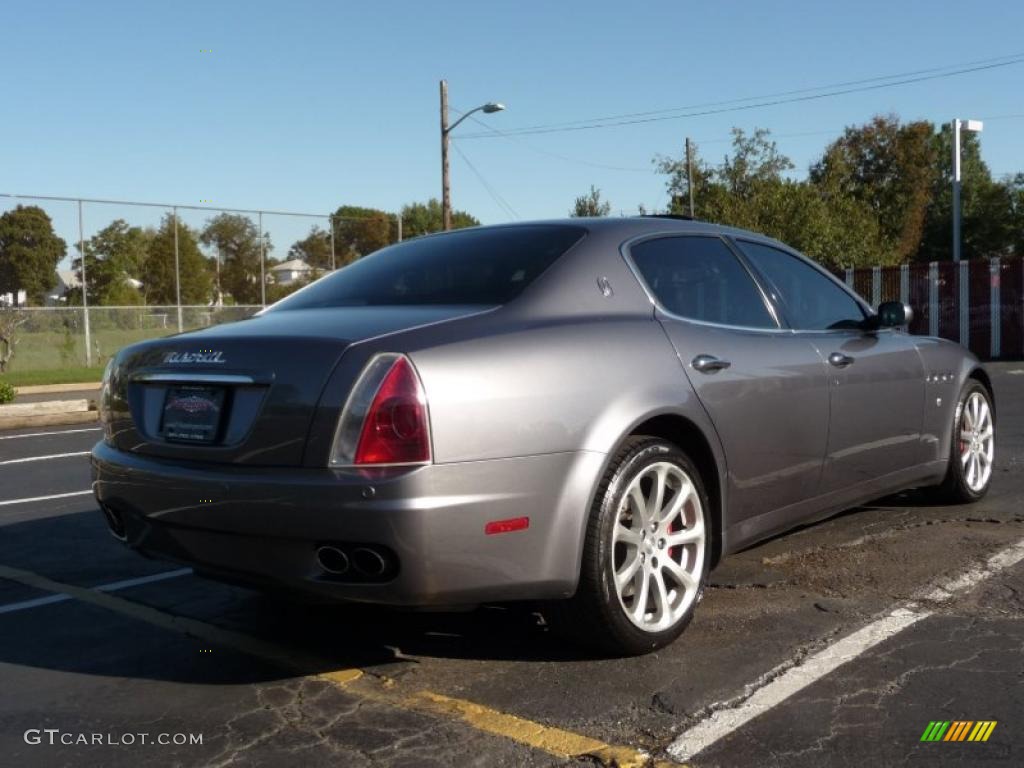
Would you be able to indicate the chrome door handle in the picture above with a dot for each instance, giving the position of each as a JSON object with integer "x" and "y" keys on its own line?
{"x": 709, "y": 363}
{"x": 839, "y": 360}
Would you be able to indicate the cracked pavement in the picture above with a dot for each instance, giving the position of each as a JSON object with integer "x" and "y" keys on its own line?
{"x": 964, "y": 663}
{"x": 81, "y": 668}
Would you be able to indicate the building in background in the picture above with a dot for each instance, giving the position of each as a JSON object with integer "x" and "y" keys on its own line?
{"x": 293, "y": 270}
{"x": 67, "y": 280}
{"x": 7, "y": 299}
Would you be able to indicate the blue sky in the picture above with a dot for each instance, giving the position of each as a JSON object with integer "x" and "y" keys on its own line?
{"x": 304, "y": 106}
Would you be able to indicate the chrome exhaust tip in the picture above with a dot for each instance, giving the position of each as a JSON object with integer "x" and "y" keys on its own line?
{"x": 369, "y": 562}
{"x": 332, "y": 559}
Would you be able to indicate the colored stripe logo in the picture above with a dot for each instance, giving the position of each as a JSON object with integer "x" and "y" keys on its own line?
{"x": 958, "y": 730}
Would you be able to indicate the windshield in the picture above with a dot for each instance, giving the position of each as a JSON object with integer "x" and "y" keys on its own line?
{"x": 471, "y": 266}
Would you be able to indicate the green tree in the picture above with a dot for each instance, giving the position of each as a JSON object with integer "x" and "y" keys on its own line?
{"x": 359, "y": 231}
{"x": 748, "y": 190}
{"x": 29, "y": 252}
{"x": 890, "y": 166}
{"x": 755, "y": 159}
{"x": 235, "y": 241}
{"x": 277, "y": 291}
{"x": 725, "y": 193}
{"x": 1015, "y": 186}
{"x": 123, "y": 294}
{"x": 424, "y": 218}
{"x": 987, "y": 206}
{"x": 194, "y": 269}
{"x": 591, "y": 204}
{"x": 112, "y": 256}
{"x": 315, "y": 250}
{"x": 11, "y": 319}
{"x": 834, "y": 231}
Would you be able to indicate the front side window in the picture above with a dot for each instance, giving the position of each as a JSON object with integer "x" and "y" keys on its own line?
{"x": 484, "y": 266}
{"x": 700, "y": 278}
{"x": 811, "y": 300}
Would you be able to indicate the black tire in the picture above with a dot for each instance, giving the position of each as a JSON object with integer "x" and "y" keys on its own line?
{"x": 954, "y": 488}
{"x": 594, "y": 616}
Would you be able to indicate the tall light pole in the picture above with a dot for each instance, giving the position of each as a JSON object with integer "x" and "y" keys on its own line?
{"x": 689, "y": 174}
{"x": 974, "y": 126}
{"x": 446, "y": 190}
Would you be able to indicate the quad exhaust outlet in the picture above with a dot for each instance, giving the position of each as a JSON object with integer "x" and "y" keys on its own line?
{"x": 356, "y": 562}
{"x": 369, "y": 562}
{"x": 332, "y": 559}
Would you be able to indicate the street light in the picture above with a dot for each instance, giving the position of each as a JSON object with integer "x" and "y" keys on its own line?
{"x": 446, "y": 191}
{"x": 974, "y": 126}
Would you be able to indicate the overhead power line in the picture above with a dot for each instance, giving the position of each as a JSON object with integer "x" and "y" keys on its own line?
{"x": 500, "y": 201}
{"x": 566, "y": 158}
{"x": 778, "y": 94}
{"x": 833, "y": 132}
{"x": 733, "y": 105}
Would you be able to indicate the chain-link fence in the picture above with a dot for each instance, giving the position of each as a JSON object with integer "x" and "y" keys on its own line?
{"x": 214, "y": 264}
{"x": 50, "y": 338}
{"x": 255, "y": 256}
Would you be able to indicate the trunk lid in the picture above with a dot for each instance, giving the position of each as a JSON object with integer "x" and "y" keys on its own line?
{"x": 246, "y": 391}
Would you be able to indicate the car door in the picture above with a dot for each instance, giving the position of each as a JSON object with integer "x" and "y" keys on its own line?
{"x": 765, "y": 389}
{"x": 876, "y": 378}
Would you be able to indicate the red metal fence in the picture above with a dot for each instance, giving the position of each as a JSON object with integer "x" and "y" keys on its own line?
{"x": 978, "y": 303}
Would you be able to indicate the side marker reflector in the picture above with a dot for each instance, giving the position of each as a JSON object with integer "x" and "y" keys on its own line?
{"x": 507, "y": 526}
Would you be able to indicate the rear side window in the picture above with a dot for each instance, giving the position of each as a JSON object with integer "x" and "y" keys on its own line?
{"x": 812, "y": 301}
{"x": 470, "y": 266}
{"x": 701, "y": 279}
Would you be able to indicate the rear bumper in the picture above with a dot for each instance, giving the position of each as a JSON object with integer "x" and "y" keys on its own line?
{"x": 263, "y": 525}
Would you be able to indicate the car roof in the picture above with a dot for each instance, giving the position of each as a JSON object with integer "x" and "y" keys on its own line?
{"x": 635, "y": 226}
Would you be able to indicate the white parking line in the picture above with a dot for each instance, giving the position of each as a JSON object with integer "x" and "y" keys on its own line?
{"x": 722, "y": 722}
{"x": 44, "y": 458}
{"x": 44, "y": 498}
{"x": 46, "y": 434}
{"x": 112, "y": 587}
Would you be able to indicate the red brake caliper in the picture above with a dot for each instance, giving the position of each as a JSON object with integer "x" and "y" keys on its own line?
{"x": 674, "y": 527}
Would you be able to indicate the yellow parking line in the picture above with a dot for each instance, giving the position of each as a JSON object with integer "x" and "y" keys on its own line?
{"x": 554, "y": 741}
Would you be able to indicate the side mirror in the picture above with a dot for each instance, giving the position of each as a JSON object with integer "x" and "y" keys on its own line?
{"x": 892, "y": 314}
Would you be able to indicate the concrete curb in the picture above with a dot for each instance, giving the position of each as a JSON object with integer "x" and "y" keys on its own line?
{"x": 45, "y": 389}
{"x": 51, "y": 420}
{"x": 49, "y": 413}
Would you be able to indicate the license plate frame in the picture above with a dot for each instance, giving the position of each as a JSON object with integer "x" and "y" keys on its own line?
{"x": 192, "y": 414}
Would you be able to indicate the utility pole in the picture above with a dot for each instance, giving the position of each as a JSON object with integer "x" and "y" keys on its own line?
{"x": 177, "y": 269}
{"x": 689, "y": 173}
{"x": 446, "y": 190}
{"x": 333, "y": 267}
{"x": 956, "y": 190}
{"x": 974, "y": 126}
{"x": 220, "y": 295}
{"x": 263, "y": 264}
{"x": 85, "y": 289}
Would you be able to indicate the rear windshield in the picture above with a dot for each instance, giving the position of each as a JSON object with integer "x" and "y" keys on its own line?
{"x": 469, "y": 266}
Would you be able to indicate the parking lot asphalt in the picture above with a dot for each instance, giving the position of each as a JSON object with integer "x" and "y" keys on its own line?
{"x": 837, "y": 644}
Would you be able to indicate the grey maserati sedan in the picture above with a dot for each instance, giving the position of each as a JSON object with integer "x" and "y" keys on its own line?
{"x": 586, "y": 413}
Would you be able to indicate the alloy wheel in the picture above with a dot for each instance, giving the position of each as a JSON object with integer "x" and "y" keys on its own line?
{"x": 658, "y": 541}
{"x": 977, "y": 441}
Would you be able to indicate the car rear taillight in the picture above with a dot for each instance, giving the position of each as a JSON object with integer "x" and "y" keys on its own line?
{"x": 385, "y": 419}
